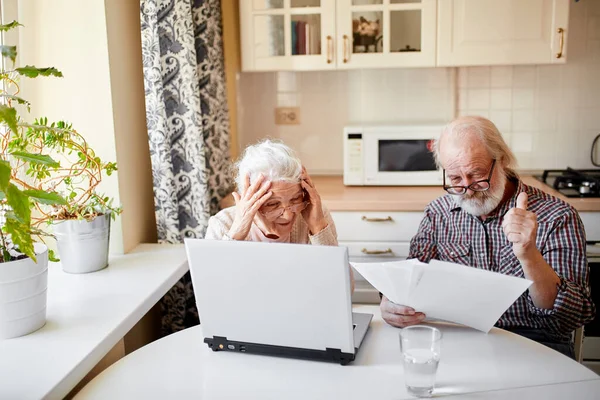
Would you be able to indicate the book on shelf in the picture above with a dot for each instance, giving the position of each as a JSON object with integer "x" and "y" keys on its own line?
{"x": 294, "y": 38}
{"x": 305, "y": 38}
{"x": 301, "y": 35}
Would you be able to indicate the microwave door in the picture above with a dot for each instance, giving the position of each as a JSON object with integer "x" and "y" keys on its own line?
{"x": 401, "y": 162}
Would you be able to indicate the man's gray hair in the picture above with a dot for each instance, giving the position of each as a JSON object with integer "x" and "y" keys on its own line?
{"x": 489, "y": 135}
{"x": 276, "y": 161}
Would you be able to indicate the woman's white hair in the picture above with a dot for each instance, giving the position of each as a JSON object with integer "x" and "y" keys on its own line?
{"x": 489, "y": 136}
{"x": 276, "y": 161}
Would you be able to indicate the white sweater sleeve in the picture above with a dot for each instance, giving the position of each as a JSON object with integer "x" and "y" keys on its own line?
{"x": 219, "y": 225}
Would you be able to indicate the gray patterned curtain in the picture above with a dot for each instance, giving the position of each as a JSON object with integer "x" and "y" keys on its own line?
{"x": 188, "y": 128}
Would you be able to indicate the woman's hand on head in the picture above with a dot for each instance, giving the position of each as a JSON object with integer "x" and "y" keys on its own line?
{"x": 313, "y": 213}
{"x": 247, "y": 205}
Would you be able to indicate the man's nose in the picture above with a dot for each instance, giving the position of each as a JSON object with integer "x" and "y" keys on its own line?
{"x": 467, "y": 182}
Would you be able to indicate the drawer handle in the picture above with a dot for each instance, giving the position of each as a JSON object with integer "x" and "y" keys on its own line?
{"x": 386, "y": 251}
{"x": 346, "y": 59}
{"x": 561, "y": 32}
{"x": 365, "y": 218}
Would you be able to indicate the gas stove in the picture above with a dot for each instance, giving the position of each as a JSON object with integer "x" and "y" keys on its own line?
{"x": 573, "y": 182}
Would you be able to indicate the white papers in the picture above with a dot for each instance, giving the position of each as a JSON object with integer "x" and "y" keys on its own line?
{"x": 446, "y": 291}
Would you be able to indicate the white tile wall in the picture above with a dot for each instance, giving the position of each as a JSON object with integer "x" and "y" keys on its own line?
{"x": 548, "y": 114}
{"x": 329, "y": 101}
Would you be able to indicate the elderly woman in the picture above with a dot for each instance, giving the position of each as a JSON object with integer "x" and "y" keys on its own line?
{"x": 276, "y": 201}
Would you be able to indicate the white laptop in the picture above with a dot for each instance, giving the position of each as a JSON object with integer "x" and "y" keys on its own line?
{"x": 276, "y": 299}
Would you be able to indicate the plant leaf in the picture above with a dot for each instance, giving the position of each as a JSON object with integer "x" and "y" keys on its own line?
{"x": 20, "y": 236}
{"x": 50, "y": 198}
{"x": 9, "y": 116}
{"x": 33, "y": 72}
{"x": 9, "y": 51}
{"x": 19, "y": 202}
{"x": 4, "y": 175}
{"x": 15, "y": 98}
{"x": 9, "y": 26}
{"x": 35, "y": 158}
{"x": 52, "y": 256}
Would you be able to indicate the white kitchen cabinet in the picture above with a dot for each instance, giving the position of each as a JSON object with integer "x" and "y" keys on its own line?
{"x": 374, "y": 237}
{"x": 302, "y": 35}
{"x": 280, "y": 35}
{"x": 406, "y": 33}
{"x": 591, "y": 223}
{"x": 494, "y": 32}
{"x": 380, "y": 226}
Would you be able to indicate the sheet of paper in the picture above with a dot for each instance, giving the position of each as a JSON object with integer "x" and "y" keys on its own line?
{"x": 446, "y": 291}
{"x": 390, "y": 278}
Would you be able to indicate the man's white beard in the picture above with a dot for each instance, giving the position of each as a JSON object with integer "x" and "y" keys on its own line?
{"x": 483, "y": 203}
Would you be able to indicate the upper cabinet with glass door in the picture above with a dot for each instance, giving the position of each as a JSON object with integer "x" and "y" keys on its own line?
{"x": 301, "y": 35}
{"x": 386, "y": 33}
{"x": 279, "y": 35}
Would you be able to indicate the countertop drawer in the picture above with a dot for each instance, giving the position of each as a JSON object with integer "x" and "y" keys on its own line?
{"x": 376, "y": 226}
{"x": 359, "y": 252}
{"x": 376, "y": 251}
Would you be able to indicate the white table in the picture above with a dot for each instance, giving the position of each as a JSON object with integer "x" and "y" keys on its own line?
{"x": 499, "y": 365}
{"x": 86, "y": 316}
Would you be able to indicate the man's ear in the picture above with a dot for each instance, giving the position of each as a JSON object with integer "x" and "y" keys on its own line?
{"x": 503, "y": 162}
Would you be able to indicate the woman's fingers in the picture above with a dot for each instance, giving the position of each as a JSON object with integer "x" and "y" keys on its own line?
{"x": 236, "y": 197}
{"x": 259, "y": 203}
{"x": 306, "y": 177}
{"x": 309, "y": 189}
{"x": 246, "y": 184}
{"x": 260, "y": 192}
{"x": 251, "y": 190}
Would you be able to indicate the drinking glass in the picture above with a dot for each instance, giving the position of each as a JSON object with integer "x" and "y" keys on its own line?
{"x": 420, "y": 346}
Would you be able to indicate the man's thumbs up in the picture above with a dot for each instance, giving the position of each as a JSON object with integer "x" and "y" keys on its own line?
{"x": 522, "y": 201}
{"x": 520, "y": 227}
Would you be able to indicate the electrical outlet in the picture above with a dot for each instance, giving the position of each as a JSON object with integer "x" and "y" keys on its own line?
{"x": 287, "y": 115}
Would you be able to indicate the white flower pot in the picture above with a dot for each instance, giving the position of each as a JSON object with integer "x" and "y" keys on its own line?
{"x": 23, "y": 294}
{"x": 83, "y": 245}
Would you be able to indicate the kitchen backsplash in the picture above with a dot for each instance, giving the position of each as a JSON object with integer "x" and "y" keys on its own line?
{"x": 548, "y": 114}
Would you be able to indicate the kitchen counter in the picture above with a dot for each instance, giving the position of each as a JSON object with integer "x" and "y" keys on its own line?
{"x": 338, "y": 197}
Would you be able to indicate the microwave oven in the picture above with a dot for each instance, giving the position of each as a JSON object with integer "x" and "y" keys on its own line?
{"x": 391, "y": 155}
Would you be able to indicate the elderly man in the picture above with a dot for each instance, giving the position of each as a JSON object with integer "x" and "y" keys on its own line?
{"x": 493, "y": 221}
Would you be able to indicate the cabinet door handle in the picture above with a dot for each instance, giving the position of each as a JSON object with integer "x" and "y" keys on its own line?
{"x": 346, "y": 49}
{"x": 386, "y": 251}
{"x": 329, "y": 50}
{"x": 388, "y": 218}
{"x": 561, "y": 31}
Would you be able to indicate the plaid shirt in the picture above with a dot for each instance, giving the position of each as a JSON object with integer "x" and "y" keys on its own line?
{"x": 448, "y": 233}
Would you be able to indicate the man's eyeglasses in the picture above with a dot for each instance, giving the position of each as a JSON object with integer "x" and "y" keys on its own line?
{"x": 479, "y": 186}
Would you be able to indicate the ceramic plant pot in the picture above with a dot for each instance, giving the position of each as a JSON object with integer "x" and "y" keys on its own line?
{"x": 23, "y": 294}
{"x": 83, "y": 245}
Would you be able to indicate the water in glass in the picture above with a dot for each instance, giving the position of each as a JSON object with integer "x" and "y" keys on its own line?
{"x": 420, "y": 366}
{"x": 421, "y": 349}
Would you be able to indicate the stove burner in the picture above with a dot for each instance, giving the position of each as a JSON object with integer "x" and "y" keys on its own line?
{"x": 573, "y": 183}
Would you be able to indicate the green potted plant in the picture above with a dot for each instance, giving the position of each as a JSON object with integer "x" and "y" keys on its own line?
{"x": 23, "y": 262}
{"x": 37, "y": 161}
{"x": 81, "y": 225}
